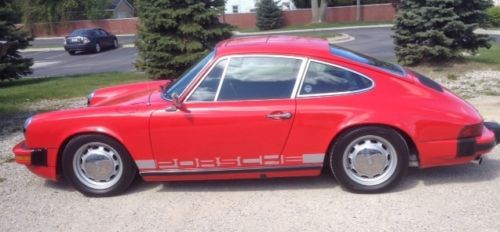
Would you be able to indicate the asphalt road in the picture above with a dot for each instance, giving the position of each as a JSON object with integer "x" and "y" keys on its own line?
{"x": 375, "y": 42}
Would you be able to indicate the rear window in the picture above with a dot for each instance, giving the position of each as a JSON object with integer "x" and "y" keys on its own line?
{"x": 80, "y": 32}
{"x": 358, "y": 57}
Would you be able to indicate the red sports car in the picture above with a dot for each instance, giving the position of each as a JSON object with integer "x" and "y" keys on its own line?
{"x": 261, "y": 107}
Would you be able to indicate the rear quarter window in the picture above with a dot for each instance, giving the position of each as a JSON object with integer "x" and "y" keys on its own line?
{"x": 360, "y": 58}
{"x": 322, "y": 79}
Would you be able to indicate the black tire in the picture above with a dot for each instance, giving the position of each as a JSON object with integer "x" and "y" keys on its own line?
{"x": 345, "y": 140}
{"x": 129, "y": 170}
{"x": 72, "y": 52}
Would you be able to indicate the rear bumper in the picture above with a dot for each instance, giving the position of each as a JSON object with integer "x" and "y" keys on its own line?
{"x": 78, "y": 47}
{"x": 458, "y": 151}
{"x": 39, "y": 161}
{"x": 495, "y": 128}
{"x": 485, "y": 143}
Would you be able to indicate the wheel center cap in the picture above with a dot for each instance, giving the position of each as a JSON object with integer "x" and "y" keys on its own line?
{"x": 98, "y": 167}
{"x": 369, "y": 162}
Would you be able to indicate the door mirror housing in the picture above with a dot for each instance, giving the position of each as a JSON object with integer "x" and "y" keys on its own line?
{"x": 177, "y": 104}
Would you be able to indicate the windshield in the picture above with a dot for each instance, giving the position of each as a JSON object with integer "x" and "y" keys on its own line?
{"x": 352, "y": 55}
{"x": 182, "y": 82}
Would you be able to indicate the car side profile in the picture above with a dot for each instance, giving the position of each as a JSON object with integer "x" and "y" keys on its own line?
{"x": 261, "y": 107}
{"x": 89, "y": 40}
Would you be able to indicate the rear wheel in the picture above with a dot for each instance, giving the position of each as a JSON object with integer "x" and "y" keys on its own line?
{"x": 369, "y": 159}
{"x": 97, "y": 165}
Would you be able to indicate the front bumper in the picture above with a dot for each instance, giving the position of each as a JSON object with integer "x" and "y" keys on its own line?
{"x": 40, "y": 161}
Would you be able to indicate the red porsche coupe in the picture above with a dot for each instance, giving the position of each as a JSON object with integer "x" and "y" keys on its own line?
{"x": 261, "y": 107}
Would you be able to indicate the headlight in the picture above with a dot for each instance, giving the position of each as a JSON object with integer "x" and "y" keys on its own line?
{"x": 86, "y": 40}
{"x": 26, "y": 124}
{"x": 89, "y": 97}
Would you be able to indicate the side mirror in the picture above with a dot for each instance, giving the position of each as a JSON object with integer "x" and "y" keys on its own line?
{"x": 177, "y": 103}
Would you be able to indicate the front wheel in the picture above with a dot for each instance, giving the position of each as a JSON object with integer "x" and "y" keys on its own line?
{"x": 97, "y": 165}
{"x": 369, "y": 159}
{"x": 97, "y": 48}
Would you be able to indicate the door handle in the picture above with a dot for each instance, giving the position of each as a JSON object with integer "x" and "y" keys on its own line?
{"x": 278, "y": 115}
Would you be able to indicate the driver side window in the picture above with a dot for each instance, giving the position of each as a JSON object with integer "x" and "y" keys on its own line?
{"x": 207, "y": 89}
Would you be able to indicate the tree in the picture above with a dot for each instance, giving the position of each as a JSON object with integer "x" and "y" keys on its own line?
{"x": 12, "y": 64}
{"x": 173, "y": 34}
{"x": 318, "y": 10}
{"x": 95, "y": 9}
{"x": 428, "y": 30}
{"x": 50, "y": 11}
{"x": 268, "y": 15}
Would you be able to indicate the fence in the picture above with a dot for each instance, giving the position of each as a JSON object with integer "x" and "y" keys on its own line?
{"x": 369, "y": 13}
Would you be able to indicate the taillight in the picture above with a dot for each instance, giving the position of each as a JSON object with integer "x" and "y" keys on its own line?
{"x": 471, "y": 131}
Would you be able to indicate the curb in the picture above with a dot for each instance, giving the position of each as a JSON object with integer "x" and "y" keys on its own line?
{"x": 62, "y": 37}
{"x": 310, "y": 30}
{"x": 340, "y": 39}
{"x": 57, "y": 49}
{"x": 487, "y": 32}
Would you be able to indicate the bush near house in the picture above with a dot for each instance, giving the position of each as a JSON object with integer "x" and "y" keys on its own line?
{"x": 494, "y": 16}
{"x": 439, "y": 31}
{"x": 268, "y": 15}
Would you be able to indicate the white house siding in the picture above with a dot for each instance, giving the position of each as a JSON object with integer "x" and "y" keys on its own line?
{"x": 245, "y": 6}
{"x": 497, "y": 2}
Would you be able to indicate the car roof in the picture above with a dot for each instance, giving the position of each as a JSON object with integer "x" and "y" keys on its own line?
{"x": 286, "y": 45}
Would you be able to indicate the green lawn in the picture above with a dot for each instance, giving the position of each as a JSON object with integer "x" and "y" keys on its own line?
{"x": 320, "y": 25}
{"x": 485, "y": 59}
{"x": 14, "y": 95}
{"x": 488, "y": 56}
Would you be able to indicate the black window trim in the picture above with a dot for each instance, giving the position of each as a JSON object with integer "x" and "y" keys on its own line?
{"x": 298, "y": 78}
{"x": 332, "y": 93}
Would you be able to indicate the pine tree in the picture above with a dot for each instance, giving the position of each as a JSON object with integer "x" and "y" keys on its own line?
{"x": 268, "y": 15}
{"x": 12, "y": 64}
{"x": 438, "y": 30}
{"x": 173, "y": 34}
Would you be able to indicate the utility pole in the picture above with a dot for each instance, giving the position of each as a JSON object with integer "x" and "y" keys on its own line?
{"x": 358, "y": 10}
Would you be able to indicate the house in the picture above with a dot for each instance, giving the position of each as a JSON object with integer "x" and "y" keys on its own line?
{"x": 121, "y": 9}
{"x": 246, "y": 6}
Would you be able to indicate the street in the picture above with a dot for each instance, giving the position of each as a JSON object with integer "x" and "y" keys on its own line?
{"x": 376, "y": 42}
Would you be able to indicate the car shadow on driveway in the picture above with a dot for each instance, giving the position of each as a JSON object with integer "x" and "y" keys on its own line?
{"x": 469, "y": 173}
{"x": 324, "y": 181}
{"x": 488, "y": 171}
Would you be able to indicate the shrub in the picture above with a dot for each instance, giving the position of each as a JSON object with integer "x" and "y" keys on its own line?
{"x": 12, "y": 64}
{"x": 268, "y": 15}
{"x": 439, "y": 30}
{"x": 173, "y": 34}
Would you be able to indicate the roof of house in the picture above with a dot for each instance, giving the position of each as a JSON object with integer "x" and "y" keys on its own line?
{"x": 113, "y": 4}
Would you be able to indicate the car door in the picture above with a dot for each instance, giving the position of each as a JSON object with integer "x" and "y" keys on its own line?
{"x": 238, "y": 117}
